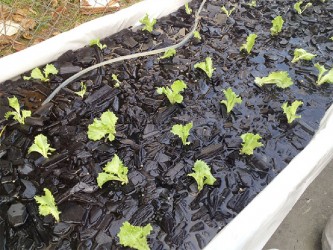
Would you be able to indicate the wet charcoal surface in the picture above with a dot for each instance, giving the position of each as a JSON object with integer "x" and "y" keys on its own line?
{"x": 159, "y": 191}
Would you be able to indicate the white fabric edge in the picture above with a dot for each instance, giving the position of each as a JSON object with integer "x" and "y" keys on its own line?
{"x": 50, "y": 49}
{"x": 252, "y": 228}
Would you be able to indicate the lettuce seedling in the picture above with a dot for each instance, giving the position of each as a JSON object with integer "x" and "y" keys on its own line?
{"x": 206, "y": 66}
{"x": 232, "y": 99}
{"x": 252, "y": 4}
{"x": 183, "y": 131}
{"x": 328, "y": 77}
{"x": 97, "y": 43}
{"x": 17, "y": 114}
{"x": 301, "y": 54}
{"x": 290, "y": 111}
{"x": 149, "y": 24}
{"x": 115, "y": 78}
{"x": 280, "y": 78}
{"x": 250, "y": 142}
{"x": 173, "y": 93}
{"x": 134, "y": 236}
{"x": 41, "y": 146}
{"x": 114, "y": 170}
{"x": 277, "y": 24}
{"x": 188, "y": 9}
{"x": 202, "y": 174}
{"x": 250, "y": 40}
{"x": 82, "y": 91}
{"x": 227, "y": 12}
{"x": 197, "y": 35}
{"x": 37, "y": 74}
{"x": 47, "y": 204}
{"x": 106, "y": 125}
{"x": 169, "y": 53}
{"x": 297, "y": 7}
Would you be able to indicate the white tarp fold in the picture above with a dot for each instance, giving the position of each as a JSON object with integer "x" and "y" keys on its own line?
{"x": 256, "y": 223}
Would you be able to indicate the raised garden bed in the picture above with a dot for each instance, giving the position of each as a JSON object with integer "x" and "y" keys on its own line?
{"x": 159, "y": 191}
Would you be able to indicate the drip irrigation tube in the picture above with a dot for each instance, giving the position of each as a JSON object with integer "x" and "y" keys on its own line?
{"x": 128, "y": 57}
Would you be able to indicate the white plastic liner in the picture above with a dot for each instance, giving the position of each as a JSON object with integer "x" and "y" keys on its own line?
{"x": 252, "y": 228}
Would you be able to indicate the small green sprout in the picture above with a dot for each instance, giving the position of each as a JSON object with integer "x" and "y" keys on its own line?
{"x": 197, "y": 35}
{"x": 250, "y": 142}
{"x": 328, "y": 77}
{"x": 188, "y": 9}
{"x": 250, "y": 40}
{"x": 331, "y": 38}
{"x": 106, "y": 125}
{"x": 114, "y": 170}
{"x": 252, "y": 4}
{"x": 134, "y": 236}
{"x": 37, "y": 74}
{"x": 47, "y": 205}
{"x": 301, "y": 54}
{"x": 227, "y": 12}
{"x": 232, "y": 99}
{"x": 280, "y": 78}
{"x": 297, "y": 7}
{"x": 277, "y": 24}
{"x": 202, "y": 174}
{"x": 173, "y": 93}
{"x": 83, "y": 90}
{"x": 97, "y": 43}
{"x": 169, "y": 53}
{"x": 41, "y": 146}
{"x": 290, "y": 111}
{"x": 115, "y": 78}
{"x": 17, "y": 114}
{"x": 206, "y": 66}
{"x": 149, "y": 24}
{"x": 183, "y": 131}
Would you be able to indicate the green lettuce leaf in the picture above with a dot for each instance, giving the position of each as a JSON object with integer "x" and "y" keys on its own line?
{"x": 232, "y": 99}
{"x": 206, "y": 66}
{"x": 227, "y": 12}
{"x": 97, "y": 43}
{"x": 280, "y": 78}
{"x": 106, "y": 125}
{"x": 82, "y": 91}
{"x": 173, "y": 93}
{"x": 202, "y": 174}
{"x": 250, "y": 40}
{"x": 134, "y": 236}
{"x": 197, "y": 35}
{"x": 41, "y": 146}
{"x": 250, "y": 142}
{"x": 47, "y": 204}
{"x": 277, "y": 24}
{"x": 188, "y": 9}
{"x": 168, "y": 53}
{"x": 17, "y": 114}
{"x": 297, "y": 7}
{"x": 290, "y": 111}
{"x": 183, "y": 131}
{"x": 149, "y": 24}
{"x": 328, "y": 77}
{"x": 301, "y": 54}
{"x": 37, "y": 74}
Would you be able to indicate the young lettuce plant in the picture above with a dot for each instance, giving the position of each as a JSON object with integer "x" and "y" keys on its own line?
{"x": 183, "y": 131}
{"x": 173, "y": 94}
{"x": 115, "y": 78}
{"x": 149, "y": 24}
{"x": 97, "y": 43}
{"x": 169, "y": 53}
{"x": 232, "y": 99}
{"x": 47, "y": 205}
{"x": 250, "y": 142}
{"x": 301, "y": 54}
{"x": 37, "y": 74}
{"x": 277, "y": 24}
{"x": 328, "y": 77}
{"x": 280, "y": 78}
{"x": 290, "y": 111}
{"x": 197, "y": 35}
{"x": 252, "y": 4}
{"x": 297, "y": 7}
{"x": 227, "y": 12}
{"x": 188, "y": 10}
{"x": 18, "y": 115}
{"x": 134, "y": 236}
{"x": 250, "y": 40}
{"x": 83, "y": 90}
{"x": 206, "y": 66}
{"x": 106, "y": 125}
{"x": 41, "y": 146}
{"x": 114, "y": 170}
{"x": 202, "y": 174}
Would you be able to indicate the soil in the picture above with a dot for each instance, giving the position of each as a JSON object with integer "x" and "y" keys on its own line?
{"x": 159, "y": 191}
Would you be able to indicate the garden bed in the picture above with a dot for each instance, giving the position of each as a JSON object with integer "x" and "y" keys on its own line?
{"x": 159, "y": 191}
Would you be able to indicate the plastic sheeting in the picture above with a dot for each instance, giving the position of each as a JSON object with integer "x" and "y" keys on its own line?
{"x": 252, "y": 228}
